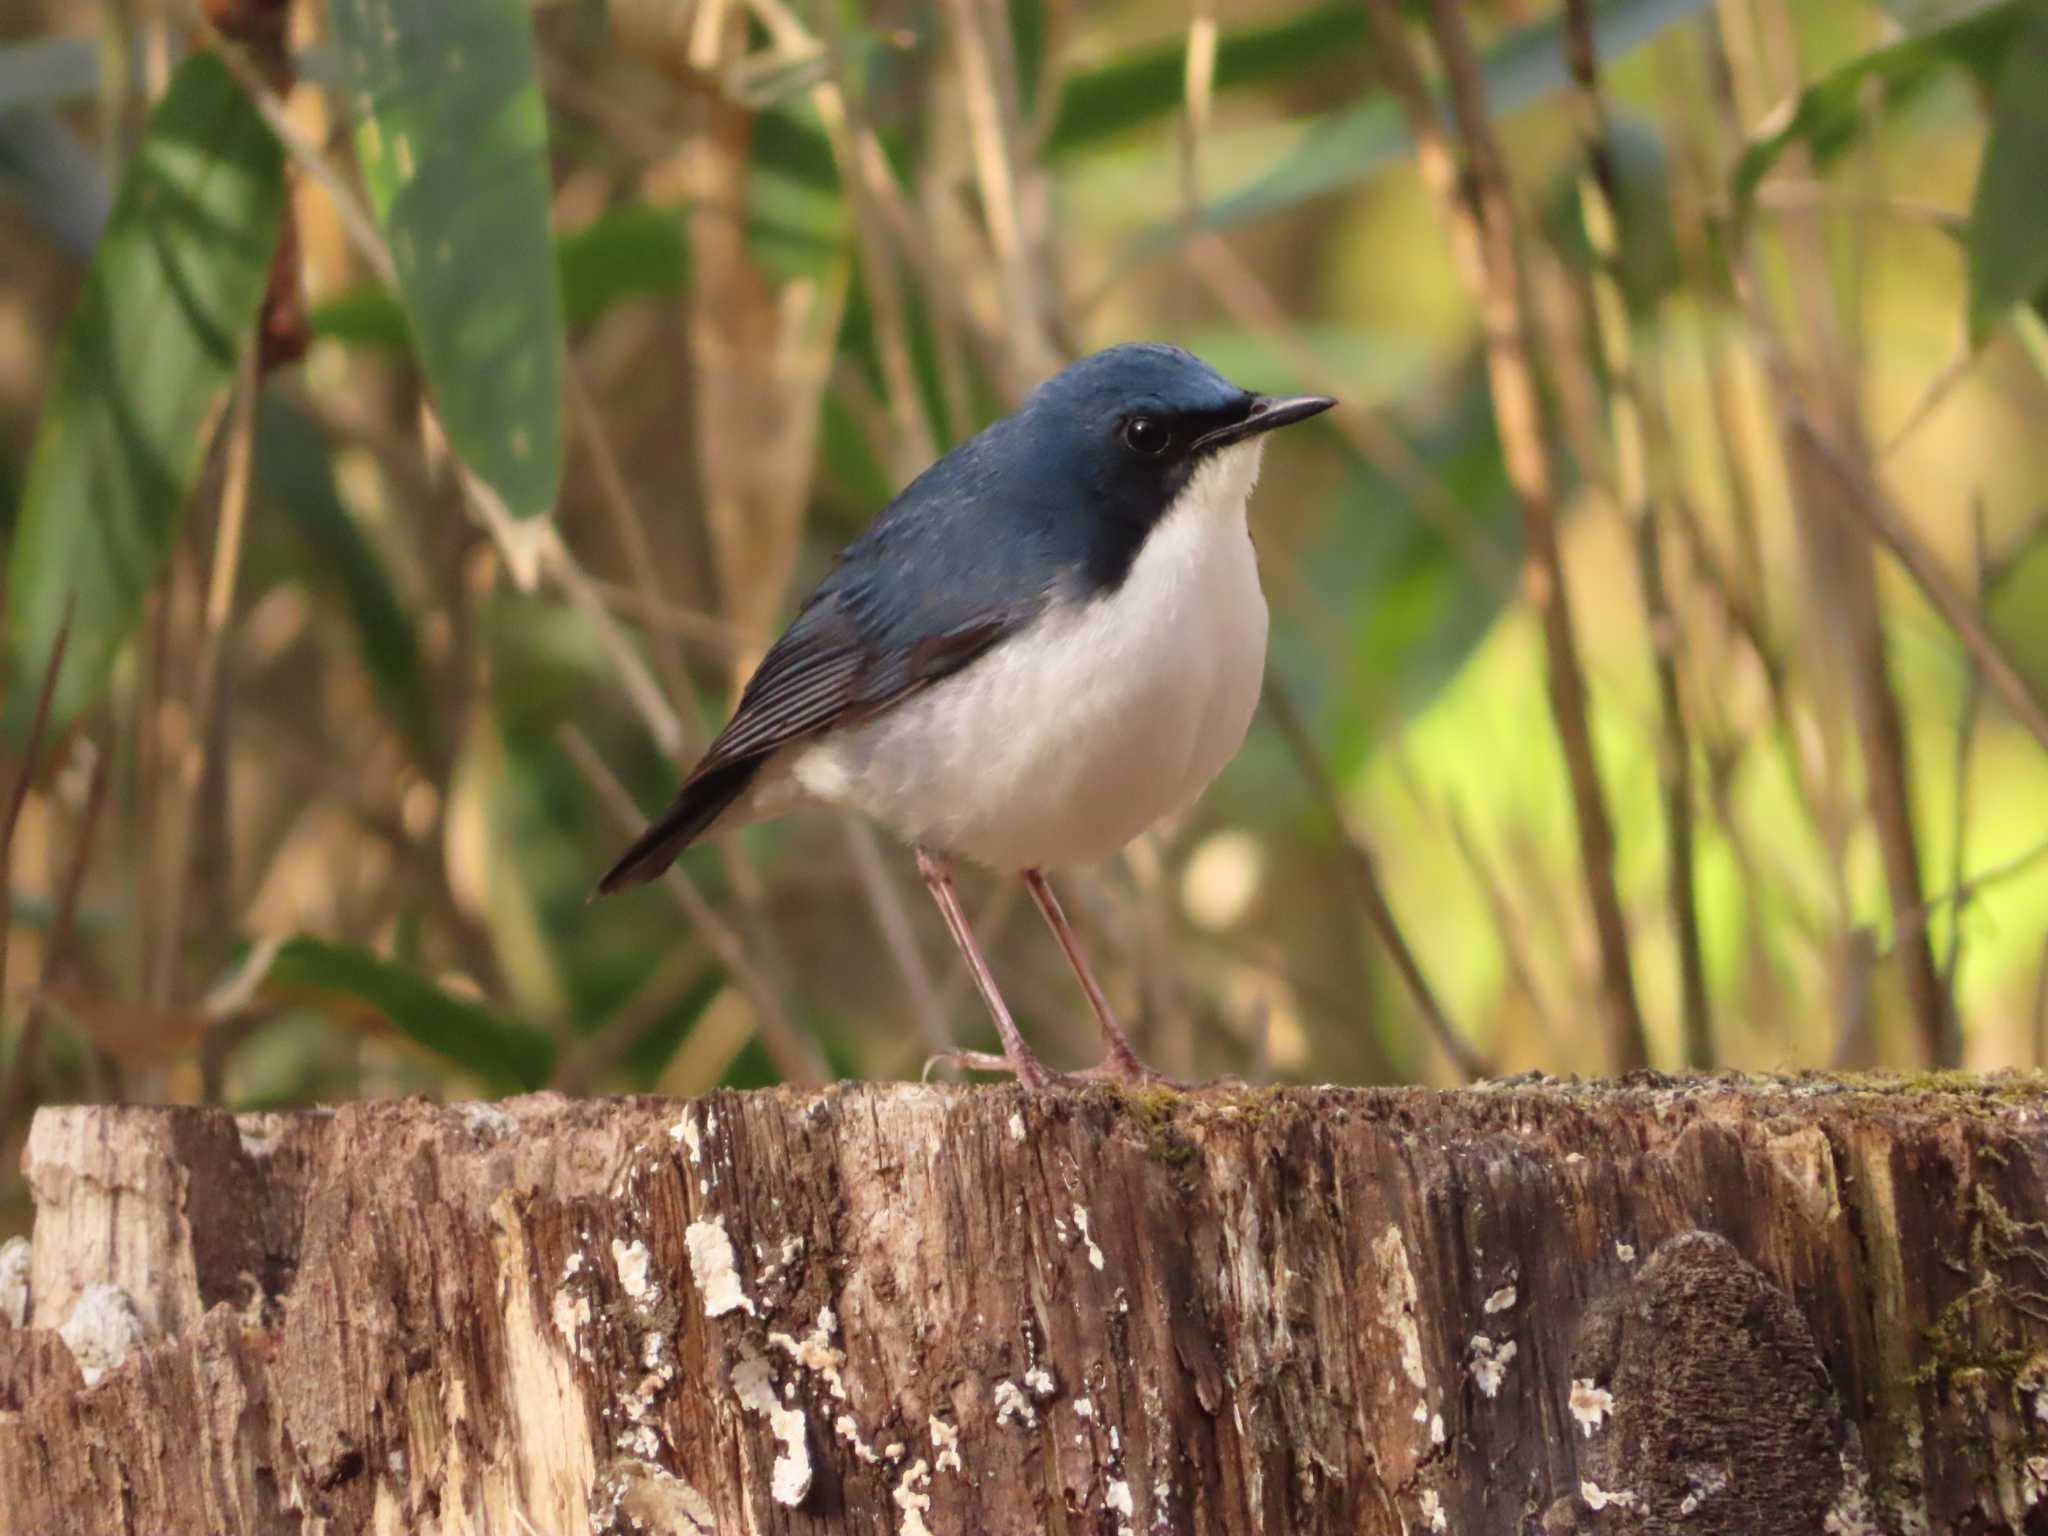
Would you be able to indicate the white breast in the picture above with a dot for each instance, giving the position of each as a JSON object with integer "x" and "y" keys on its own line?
{"x": 1067, "y": 741}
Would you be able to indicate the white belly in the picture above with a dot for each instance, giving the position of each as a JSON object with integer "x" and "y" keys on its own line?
{"x": 1067, "y": 741}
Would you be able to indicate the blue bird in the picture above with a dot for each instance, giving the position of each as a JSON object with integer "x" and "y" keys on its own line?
{"x": 1051, "y": 639}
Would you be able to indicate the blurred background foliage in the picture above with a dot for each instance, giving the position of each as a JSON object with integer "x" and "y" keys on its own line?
{"x": 415, "y": 420}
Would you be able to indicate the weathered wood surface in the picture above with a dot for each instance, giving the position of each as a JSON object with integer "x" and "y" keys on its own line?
{"x": 1666, "y": 1306}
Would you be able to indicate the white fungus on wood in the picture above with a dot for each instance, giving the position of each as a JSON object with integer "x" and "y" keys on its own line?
{"x": 1012, "y": 1404}
{"x": 945, "y": 1445}
{"x": 1398, "y": 1301}
{"x": 910, "y": 1497}
{"x": 1590, "y": 1405}
{"x": 1094, "y": 1252}
{"x": 790, "y": 1478}
{"x": 630, "y": 1259}
{"x": 1489, "y": 1365}
{"x": 712, "y": 1267}
{"x": 1598, "y": 1498}
{"x": 815, "y": 1351}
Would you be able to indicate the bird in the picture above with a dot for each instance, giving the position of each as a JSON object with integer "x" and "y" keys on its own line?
{"x": 1053, "y": 638}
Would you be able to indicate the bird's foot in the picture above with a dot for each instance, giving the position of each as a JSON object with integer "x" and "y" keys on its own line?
{"x": 1124, "y": 1068}
{"x": 1031, "y": 1073}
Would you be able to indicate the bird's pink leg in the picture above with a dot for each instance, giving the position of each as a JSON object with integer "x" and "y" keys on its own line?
{"x": 1018, "y": 1057}
{"x": 1122, "y": 1062}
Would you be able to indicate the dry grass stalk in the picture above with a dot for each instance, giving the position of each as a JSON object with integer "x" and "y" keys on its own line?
{"x": 1014, "y": 211}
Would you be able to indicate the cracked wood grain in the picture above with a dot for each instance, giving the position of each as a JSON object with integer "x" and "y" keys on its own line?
{"x": 1711, "y": 1304}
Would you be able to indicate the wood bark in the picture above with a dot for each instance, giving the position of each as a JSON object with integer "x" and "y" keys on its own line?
{"x": 1722, "y": 1305}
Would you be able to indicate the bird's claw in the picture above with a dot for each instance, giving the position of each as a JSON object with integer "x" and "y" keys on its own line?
{"x": 1031, "y": 1073}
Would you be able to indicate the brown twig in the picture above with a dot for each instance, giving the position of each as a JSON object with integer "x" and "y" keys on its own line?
{"x": 1363, "y": 866}
{"x": 1481, "y": 219}
{"x": 1507, "y": 922}
{"x": 1864, "y": 497}
{"x": 31, "y": 750}
{"x": 1251, "y": 304}
{"x": 899, "y": 937}
{"x": 56, "y": 945}
{"x": 190, "y": 772}
{"x": 989, "y": 91}
{"x": 630, "y": 532}
{"x": 795, "y": 1055}
{"x": 597, "y": 1055}
{"x": 2040, "y": 1017}
{"x": 1959, "y": 772}
{"x": 1829, "y": 492}
{"x": 1634, "y": 448}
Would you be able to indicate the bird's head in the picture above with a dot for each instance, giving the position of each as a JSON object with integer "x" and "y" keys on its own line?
{"x": 1142, "y": 421}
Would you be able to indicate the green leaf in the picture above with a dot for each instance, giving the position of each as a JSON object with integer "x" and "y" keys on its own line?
{"x": 295, "y": 472}
{"x": 1827, "y": 116}
{"x": 509, "y": 1055}
{"x": 1152, "y": 82}
{"x": 452, "y": 137}
{"x": 632, "y": 251}
{"x": 628, "y": 252}
{"x": 2009, "y": 213}
{"x": 145, "y": 362}
{"x": 1345, "y": 147}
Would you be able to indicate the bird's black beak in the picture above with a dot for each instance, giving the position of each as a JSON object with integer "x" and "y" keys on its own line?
{"x": 1266, "y": 413}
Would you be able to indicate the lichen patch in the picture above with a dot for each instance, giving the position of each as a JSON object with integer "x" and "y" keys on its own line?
{"x": 15, "y": 1254}
{"x": 103, "y": 1330}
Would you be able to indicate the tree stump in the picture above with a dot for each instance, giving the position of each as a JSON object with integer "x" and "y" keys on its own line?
{"x": 1722, "y": 1305}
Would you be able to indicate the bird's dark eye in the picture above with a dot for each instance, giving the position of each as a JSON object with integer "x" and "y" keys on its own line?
{"x": 1146, "y": 434}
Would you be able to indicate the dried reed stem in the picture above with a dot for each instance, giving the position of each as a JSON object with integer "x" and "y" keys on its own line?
{"x": 1477, "y": 209}
{"x": 1634, "y": 449}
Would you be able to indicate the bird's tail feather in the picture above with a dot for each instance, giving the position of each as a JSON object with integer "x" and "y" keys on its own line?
{"x": 703, "y": 800}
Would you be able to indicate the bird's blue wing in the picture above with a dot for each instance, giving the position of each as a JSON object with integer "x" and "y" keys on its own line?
{"x": 843, "y": 661}
{"x": 917, "y": 597}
